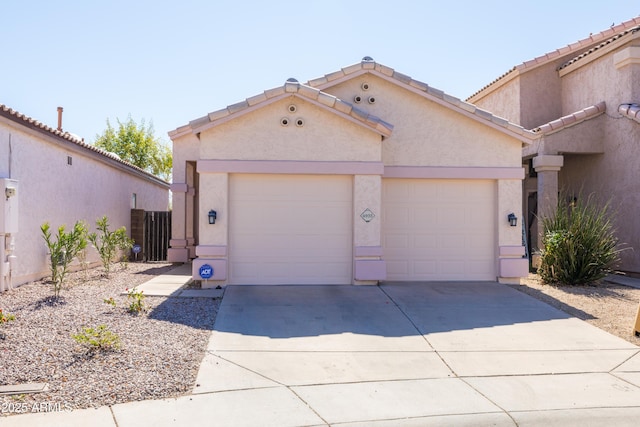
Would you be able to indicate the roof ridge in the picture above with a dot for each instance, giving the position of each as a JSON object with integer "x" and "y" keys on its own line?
{"x": 599, "y": 46}
{"x": 557, "y": 53}
{"x": 572, "y": 119}
{"x": 291, "y": 86}
{"x": 368, "y": 64}
{"x": 19, "y": 117}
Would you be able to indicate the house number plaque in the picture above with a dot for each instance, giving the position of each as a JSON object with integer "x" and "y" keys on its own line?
{"x": 367, "y": 215}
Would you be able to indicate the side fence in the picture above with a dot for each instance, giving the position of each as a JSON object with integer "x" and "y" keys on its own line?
{"x": 152, "y": 231}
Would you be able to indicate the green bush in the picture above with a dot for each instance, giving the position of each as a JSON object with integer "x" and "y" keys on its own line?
{"x": 579, "y": 245}
{"x": 108, "y": 242}
{"x": 100, "y": 338}
{"x": 63, "y": 249}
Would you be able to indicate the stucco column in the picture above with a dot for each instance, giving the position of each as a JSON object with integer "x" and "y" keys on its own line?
{"x": 547, "y": 168}
{"x": 213, "y": 238}
{"x": 369, "y": 265}
{"x": 178, "y": 251}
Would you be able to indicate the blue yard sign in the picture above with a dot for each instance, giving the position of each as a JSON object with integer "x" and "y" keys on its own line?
{"x": 206, "y": 271}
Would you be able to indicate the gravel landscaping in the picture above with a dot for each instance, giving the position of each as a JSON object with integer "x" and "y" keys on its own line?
{"x": 161, "y": 349}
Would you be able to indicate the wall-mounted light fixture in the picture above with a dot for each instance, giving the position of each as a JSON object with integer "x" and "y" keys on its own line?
{"x": 513, "y": 219}
{"x": 212, "y": 216}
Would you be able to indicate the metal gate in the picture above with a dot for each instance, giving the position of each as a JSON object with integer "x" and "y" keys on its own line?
{"x": 151, "y": 230}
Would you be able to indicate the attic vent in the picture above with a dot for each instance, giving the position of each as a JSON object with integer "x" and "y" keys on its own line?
{"x": 357, "y": 99}
{"x": 292, "y": 108}
{"x": 372, "y": 100}
{"x": 284, "y": 121}
{"x": 365, "y": 86}
{"x": 69, "y": 160}
{"x": 299, "y": 122}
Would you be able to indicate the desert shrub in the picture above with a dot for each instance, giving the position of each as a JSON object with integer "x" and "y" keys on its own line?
{"x": 97, "y": 339}
{"x": 63, "y": 249}
{"x": 108, "y": 243}
{"x": 579, "y": 245}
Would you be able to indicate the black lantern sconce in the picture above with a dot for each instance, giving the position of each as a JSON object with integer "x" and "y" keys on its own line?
{"x": 513, "y": 219}
{"x": 212, "y": 216}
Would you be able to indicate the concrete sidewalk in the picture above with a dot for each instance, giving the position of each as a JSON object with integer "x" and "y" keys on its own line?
{"x": 173, "y": 284}
{"x": 394, "y": 355}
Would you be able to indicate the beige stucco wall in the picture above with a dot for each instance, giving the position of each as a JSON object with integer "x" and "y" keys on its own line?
{"x": 503, "y": 101}
{"x": 428, "y": 134}
{"x": 612, "y": 175}
{"x": 52, "y": 191}
{"x": 259, "y": 135}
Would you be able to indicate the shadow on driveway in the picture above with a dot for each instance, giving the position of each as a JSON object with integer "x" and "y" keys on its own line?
{"x": 389, "y": 310}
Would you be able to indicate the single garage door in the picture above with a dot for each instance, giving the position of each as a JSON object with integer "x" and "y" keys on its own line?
{"x": 290, "y": 229}
{"x": 439, "y": 229}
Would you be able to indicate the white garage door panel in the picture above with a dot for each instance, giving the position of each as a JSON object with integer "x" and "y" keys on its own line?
{"x": 290, "y": 229}
{"x": 439, "y": 229}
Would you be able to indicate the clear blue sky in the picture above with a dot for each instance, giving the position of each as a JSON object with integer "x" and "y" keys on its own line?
{"x": 172, "y": 62}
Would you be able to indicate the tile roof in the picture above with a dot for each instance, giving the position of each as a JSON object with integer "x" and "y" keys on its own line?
{"x": 572, "y": 119}
{"x": 291, "y": 87}
{"x": 631, "y": 111}
{"x": 564, "y": 51}
{"x": 37, "y": 125}
{"x": 600, "y": 46}
{"x": 368, "y": 65}
{"x": 313, "y": 91}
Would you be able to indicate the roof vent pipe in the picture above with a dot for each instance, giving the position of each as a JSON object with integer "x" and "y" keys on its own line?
{"x": 60, "y": 119}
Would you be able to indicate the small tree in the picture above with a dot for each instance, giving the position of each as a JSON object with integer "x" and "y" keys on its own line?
{"x": 108, "y": 243}
{"x": 63, "y": 249}
{"x": 579, "y": 243}
{"x": 137, "y": 144}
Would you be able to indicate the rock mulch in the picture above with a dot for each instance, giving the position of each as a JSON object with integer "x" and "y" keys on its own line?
{"x": 160, "y": 353}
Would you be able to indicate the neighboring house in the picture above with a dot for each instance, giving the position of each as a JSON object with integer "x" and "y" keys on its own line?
{"x": 59, "y": 179}
{"x": 583, "y": 101}
{"x": 356, "y": 177}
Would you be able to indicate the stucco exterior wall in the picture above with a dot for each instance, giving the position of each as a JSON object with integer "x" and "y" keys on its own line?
{"x": 503, "y": 101}
{"x": 612, "y": 175}
{"x": 540, "y": 94}
{"x": 427, "y": 134}
{"x": 51, "y": 190}
{"x": 260, "y": 136}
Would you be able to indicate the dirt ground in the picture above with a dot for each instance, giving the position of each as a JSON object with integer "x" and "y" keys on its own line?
{"x": 610, "y": 307}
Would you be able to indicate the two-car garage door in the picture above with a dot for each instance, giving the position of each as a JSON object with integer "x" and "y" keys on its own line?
{"x": 298, "y": 229}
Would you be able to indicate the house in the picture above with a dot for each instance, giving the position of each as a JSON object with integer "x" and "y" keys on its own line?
{"x": 47, "y": 175}
{"x": 360, "y": 176}
{"x": 583, "y": 102}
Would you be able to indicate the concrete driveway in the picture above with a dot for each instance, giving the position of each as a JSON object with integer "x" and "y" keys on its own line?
{"x": 445, "y": 354}
{"x": 411, "y": 354}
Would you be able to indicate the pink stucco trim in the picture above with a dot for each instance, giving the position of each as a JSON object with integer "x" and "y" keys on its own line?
{"x": 179, "y": 188}
{"x": 364, "y": 251}
{"x": 438, "y": 172}
{"x": 290, "y": 167}
{"x": 211, "y": 250}
{"x": 514, "y": 267}
{"x": 513, "y": 251}
{"x": 219, "y": 268}
{"x": 368, "y": 269}
{"x": 178, "y": 243}
{"x": 178, "y": 255}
